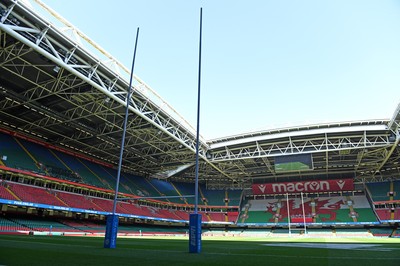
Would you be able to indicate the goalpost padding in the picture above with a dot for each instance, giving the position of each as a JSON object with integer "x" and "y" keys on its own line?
{"x": 110, "y": 240}
{"x": 194, "y": 233}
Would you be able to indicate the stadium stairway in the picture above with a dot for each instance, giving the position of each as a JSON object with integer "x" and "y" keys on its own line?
{"x": 383, "y": 214}
{"x": 34, "y": 194}
{"x": 156, "y": 189}
{"x": 179, "y": 217}
{"x": 137, "y": 185}
{"x": 396, "y": 190}
{"x": 215, "y": 197}
{"x": 179, "y": 193}
{"x": 363, "y": 209}
{"x": 382, "y": 232}
{"x": 44, "y": 159}
{"x": 36, "y": 162}
{"x": 278, "y": 211}
{"x": 166, "y": 188}
{"x": 102, "y": 204}
{"x": 111, "y": 174}
{"x": 107, "y": 176}
{"x": 185, "y": 189}
{"x": 123, "y": 186}
{"x": 391, "y": 191}
{"x": 92, "y": 173}
{"x": 76, "y": 201}
{"x": 14, "y": 154}
{"x": 63, "y": 202}
{"x": 203, "y": 198}
{"x": 226, "y": 204}
{"x": 205, "y": 202}
{"x": 379, "y": 191}
{"x": 6, "y": 193}
{"x": 226, "y": 198}
{"x": 77, "y": 167}
{"x": 233, "y": 216}
{"x": 313, "y": 210}
{"x": 60, "y": 161}
{"x": 244, "y": 215}
{"x": 352, "y": 213}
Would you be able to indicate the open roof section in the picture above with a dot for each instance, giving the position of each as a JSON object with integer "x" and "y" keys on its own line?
{"x": 56, "y": 90}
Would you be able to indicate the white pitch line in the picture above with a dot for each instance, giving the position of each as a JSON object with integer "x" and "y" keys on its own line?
{"x": 346, "y": 246}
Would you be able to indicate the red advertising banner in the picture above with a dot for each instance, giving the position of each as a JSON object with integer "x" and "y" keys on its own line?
{"x": 303, "y": 186}
{"x": 301, "y": 220}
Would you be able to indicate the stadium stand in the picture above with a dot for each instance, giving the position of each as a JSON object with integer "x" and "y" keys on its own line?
{"x": 385, "y": 198}
{"x": 167, "y": 189}
{"x": 43, "y": 225}
{"x": 5, "y": 192}
{"x": 216, "y": 216}
{"x": 7, "y": 225}
{"x": 14, "y": 154}
{"x": 388, "y": 214}
{"x": 379, "y": 191}
{"x": 76, "y": 200}
{"x": 29, "y": 224}
{"x": 46, "y": 161}
{"x": 67, "y": 159}
{"x": 232, "y": 216}
{"x": 320, "y": 232}
{"x": 352, "y": 232}
{"x": 185, "y": 189}
{"x": 396, "y": 190}
{"x": 383, "y": 214}
{"x": 34, "y": 194}
{"x": 60, "y": 198}
{"x": 382, "y": 232}
{"x": 327, "y": 210}
{"x": 38, "y": 158}
{"x": 78, "y": 167}
{"x": 234, "y": 196}
{"x": 106, "y": 178}
{"x": 145, "y": 188}
{"x": 212, "y": 197}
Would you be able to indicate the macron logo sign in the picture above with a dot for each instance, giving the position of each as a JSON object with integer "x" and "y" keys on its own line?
{"x": 313, "y": 186}
{"x": 262, "y": 188}
{"x": 303, "y": 186}
{"x": 341, "y": 184}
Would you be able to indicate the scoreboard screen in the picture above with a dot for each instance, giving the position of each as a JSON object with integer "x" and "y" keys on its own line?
{"x": 291, "y": 163}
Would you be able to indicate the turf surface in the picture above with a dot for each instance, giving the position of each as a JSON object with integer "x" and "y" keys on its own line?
{"x": 62, "y": 250}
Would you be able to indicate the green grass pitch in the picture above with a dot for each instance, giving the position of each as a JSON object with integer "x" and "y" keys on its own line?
{"x": 63, "y": 250}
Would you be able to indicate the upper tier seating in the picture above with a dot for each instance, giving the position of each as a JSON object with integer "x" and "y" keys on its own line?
{"x": 13, "y": 154}
{"x": 379, "y": 191}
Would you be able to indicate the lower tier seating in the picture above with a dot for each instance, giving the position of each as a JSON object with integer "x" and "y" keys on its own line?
{"x": 313, "y": 210}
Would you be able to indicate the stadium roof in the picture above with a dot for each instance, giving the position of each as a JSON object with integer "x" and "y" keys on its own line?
{"x": 56, "y": 89}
